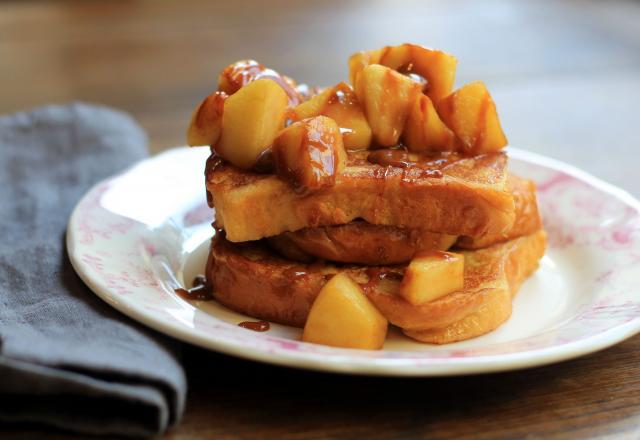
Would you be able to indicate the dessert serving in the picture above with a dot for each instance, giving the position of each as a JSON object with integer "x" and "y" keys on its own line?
{"x": 385, "y": 200}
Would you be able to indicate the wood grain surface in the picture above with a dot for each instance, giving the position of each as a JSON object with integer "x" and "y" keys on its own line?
{"x": 566, "y": 79}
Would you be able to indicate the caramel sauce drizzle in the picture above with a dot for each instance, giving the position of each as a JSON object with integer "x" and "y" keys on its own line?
{"x": 200, "y": 291}
{"x": 256, "y": 326}
{"x": 243, "y": 72}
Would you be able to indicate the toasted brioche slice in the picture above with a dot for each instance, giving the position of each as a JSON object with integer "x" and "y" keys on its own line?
{"x": 518, "y": 263}
{"x": 360, "y": 242}
{"x": 249, "y": 278}
{"x": 447, "y": 193}
{"x": 527, "y": 216}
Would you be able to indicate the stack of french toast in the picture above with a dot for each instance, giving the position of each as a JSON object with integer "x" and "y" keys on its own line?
{"x": 386, "y": 200}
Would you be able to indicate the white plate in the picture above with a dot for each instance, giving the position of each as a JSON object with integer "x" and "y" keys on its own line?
{"x": 135, "y": 237}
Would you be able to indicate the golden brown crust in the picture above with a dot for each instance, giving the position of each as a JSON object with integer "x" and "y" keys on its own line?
{"x": 527, "y": 217}
{"x": 249, "y": 278}
{"x": 360, "y": 242}
{"x": 469, "y": 198}
{"x": 495, "y": 309}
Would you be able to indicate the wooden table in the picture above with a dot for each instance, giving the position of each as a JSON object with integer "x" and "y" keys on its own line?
{"x": 565, "y": 76}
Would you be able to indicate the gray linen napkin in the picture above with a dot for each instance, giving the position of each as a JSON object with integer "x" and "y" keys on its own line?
{"x": 67, "y": 358}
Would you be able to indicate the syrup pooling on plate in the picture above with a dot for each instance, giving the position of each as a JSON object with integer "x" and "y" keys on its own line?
{"x": 200, "y": 291}
{"x": 256, "y": 326}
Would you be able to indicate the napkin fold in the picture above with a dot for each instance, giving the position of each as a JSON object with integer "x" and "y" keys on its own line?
{"x": 67, "y": 358}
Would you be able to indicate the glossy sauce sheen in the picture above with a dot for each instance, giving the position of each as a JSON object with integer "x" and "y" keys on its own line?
{"x": 256, "y": 326}
{"x": 199, "y": 292}
{"x": 432, "y": 166}
{"x": 265, "y": 163}
{"x": 407, "y": 69}
{"x": 242, "y": 73}
{"x": 307, "y": 163}
{"x": 213, "y": 161}
{"x": 323, "y": 159}
{"x": 377, "y": 275}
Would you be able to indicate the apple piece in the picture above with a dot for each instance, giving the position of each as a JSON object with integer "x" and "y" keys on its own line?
{"x": 471, "y": 114}
{"x": 310, "y": 153}
{"x": 251, "y": 120}
{"x": 431, "y": 275}
{"x": 436, "y": 67}
{"x": 342, "y": 316}
{"x": 386, "y": 97}
{"x": 341, "y": 104}
{"x": 424, "y": 131}
{"x": 239, "y": 74}
{"x": 206, "y": 120}
{"x": 359, "y": 60}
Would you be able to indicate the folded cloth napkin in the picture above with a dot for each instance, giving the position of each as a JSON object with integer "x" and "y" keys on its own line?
{"x": 67, "y": 358}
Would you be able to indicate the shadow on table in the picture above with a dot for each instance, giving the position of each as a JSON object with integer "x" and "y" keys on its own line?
{"x": 595, "y": 395}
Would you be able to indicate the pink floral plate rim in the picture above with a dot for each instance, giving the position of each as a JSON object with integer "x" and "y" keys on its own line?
{"x": 130, "y": 256}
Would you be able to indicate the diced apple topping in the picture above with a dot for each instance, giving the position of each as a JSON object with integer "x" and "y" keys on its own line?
{"x": 251, "y": 120}
{"x": 431, "y": 275}
{"x": 386, "y": 97}
{"x": 424, "y": 131}
{"x": 359, "y": 60}
{"x": 340, "y": 104}
{"x": 310, "y": 153}
{"x": 206, "y": 120}
{"x": 239, "y": 74}
{"x": 436, "y": 67}
{"x": 342, "y": 316}
{"x": 471, "y": 114}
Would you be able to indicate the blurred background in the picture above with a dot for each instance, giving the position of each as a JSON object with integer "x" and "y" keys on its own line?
{"x": 564, "y": 74}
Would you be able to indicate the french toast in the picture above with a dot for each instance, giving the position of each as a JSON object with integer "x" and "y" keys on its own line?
{"x": 446, "y": 193}
{"x": 386, "y": 200}
{"x": 249, "y": 278}
{"x": 360, "y": 242}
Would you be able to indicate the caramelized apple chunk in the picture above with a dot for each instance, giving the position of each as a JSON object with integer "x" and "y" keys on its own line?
{"x": 342, "y": 316}
{"x": 251, "y": 120}
{"x": 436, "y": 67}
{"x": 472, "y": 115}
{"x": 340, "y": 104}
{"x": 206, "y": 120}
{"x": 310, "y": 153}
{"x": 431, "y": 275}
{"x": 386, "y": 97}
{"x": 424, "y": 131}
{"x": 239, "y": 74}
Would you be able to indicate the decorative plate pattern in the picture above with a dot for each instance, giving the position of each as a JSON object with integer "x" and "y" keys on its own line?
{"x": 137, "y": 236}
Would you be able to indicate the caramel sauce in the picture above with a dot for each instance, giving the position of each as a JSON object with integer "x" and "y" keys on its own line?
{"x": 407, "y": 70}
{"x": 199, "y": 280}
{"x": 321, "y": 153}
{"x": 213, "y": 161}
{"x": 430, "y": 166}
{"x": 377, "y": 274}
{"x": 314, "y": 162}
{"x": 213, "y": 111}
{"x": 256, "y": 326}
{"x": 342, "y": 105}
{"x": 198, "y": 293}
{"x": 265, "y": 163}
{"x": 391, "y": 158}
{"x": 241, "y": 73}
